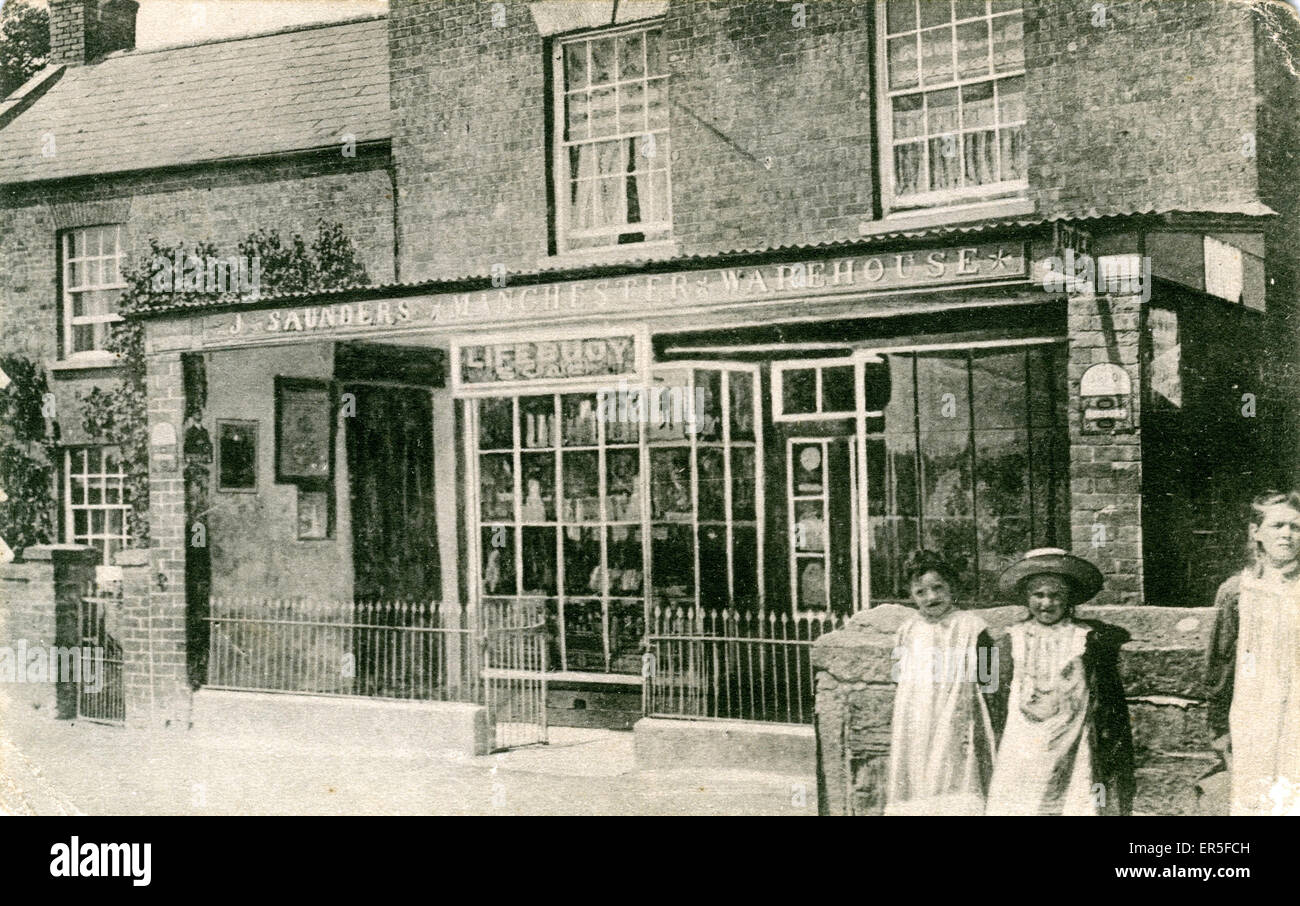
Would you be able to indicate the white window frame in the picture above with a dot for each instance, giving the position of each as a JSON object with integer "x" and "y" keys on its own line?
{"x": 67, "y": 261}
{"x": 818, "y": 365}
{"x": 560, "y": 154}
{"x": 943, "y": 198}
{"x": 94, "y": 471}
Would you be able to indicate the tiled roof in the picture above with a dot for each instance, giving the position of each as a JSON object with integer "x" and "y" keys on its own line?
{"x": 288, "y": 91}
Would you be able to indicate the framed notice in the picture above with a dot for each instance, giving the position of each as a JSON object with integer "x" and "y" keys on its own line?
{"x": 304, "y": 436}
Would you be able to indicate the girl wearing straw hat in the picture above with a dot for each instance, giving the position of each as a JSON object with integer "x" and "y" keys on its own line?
{"x": 1067, "y": 746}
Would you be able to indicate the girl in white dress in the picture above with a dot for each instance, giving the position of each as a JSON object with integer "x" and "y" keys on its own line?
{"x": 1254, "y": 669}
{"x": 942, "y": 737}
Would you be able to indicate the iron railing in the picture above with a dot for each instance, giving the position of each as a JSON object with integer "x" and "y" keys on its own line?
{"x": 379, "y": 649}
{"x": 101, "y": 689}
{"x": 731, "y": 664}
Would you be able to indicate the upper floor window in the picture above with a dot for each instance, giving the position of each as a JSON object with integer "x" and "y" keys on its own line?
{"x": 611, "y": 140}
{"x": 953, "y": 114}
{"x": 92, "y": 286}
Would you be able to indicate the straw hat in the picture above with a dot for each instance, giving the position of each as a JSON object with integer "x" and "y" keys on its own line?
{"x": 1085, "y": 577}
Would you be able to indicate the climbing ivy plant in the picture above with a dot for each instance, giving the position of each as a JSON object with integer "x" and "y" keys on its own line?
{"x": 119, "y": 415}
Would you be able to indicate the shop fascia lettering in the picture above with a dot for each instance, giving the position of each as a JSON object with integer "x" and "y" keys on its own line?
{"x": 631, "y": 294}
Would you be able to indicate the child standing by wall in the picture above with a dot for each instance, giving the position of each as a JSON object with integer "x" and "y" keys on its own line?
{"x": 942, "y": 744}
{"x": 1067, "y": 748}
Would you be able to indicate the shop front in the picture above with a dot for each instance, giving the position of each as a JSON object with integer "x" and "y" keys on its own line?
{"x": 764, "y": 442}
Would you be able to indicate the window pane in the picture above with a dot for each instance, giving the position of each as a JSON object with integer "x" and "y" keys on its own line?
{"x": 809, "y": 469}
{"x": 623, "y": 485}
{"x": 625, "y": 563}
{"x": 1014, "y": 153}
{"x": 973, "y": 49}
{"x": 706, "y": 405}
{"x": 654, "y": 59}
{"x": 744, "y": 558}
{"x": 602, "y": 61}
{"x": 626, "y": 630}
{"x": 909, "y": 117}
{"x": 497, "y": 487}
{"x": 966, "y": 9}
{"x": 799, "y": 391}
{"x": 908, "y": 168}
{"x": 1002, "y": 494}
{"x": 631, "y": 108}
{"x": 935, "y": 11}
{"x": 712, "y": 484}
{"x": 666, "y": 405}
{"x": 742, "y": 406}
{"x": 603, "y": 118}
{"x": 941, "y": 111}
{"x": 538, "y": 504}
{"x": 943, "y": 405}
{"x": 657, "y": 106}
{"x": 581, "y": 492}
{"x": 582, "y": 575}
{"x": 901, "y": 15}
{"x": 838, "y": 389}
{"x": 999, "y": 381}
{"x": 670, "y": 484}
{"x": 810, "y": 583}
{"x": 944, "y": 160}
{"x": 576, "y": 119}
{"x": 494, "y": 424}
{"x": 977, "y": 105}
{"x": 631, "y": 56}
{"x": 809, "y": 535}
{"x": 78, "y": 488}
{"x": 902, "y": 62}
{"x": 537, "y": 421}
{"x": 714, "y": 592}
{"x": 672, "y": 551}
{"x": 575, "y": 65}
{"x": 936, "y": 54}
{"x": 579, "y": 413}
{"x": 981, "y": 156}
{"x": 584, "y": 635}
{"x": 538, "y": 563}
{"x": 623, "y": 411}
{"x": 1011, "y": 100}
{"x": 1008, "y": 43}
{"x": 742, "y": 483}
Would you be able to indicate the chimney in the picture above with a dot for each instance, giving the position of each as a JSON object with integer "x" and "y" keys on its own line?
{"x": 81, "y": 31}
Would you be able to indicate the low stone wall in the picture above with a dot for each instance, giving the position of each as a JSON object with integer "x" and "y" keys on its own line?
{"x": 1161, "y": 667}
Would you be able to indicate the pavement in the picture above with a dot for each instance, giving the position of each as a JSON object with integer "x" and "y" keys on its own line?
{"x": 54, "y": 767}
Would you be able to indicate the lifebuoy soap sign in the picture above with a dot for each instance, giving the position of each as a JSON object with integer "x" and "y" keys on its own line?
{"x": 550, "y": 360}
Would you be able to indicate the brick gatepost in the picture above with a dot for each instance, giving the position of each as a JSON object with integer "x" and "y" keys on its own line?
{"x": 158, "y": 692}
{"x": 1106, "y": 469}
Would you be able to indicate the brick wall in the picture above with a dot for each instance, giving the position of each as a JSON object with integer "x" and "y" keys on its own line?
{"x": 1106, "y": 469}
{"x": 221, "y": 204}
{"x": 38, "y": 608}
{"x": 1277, "y": 78}
{"x": 1150, "y": 110}
{"x": 772, "y": 126}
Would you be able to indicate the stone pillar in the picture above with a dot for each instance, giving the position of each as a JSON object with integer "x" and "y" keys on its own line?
{"x": 1106, "y": 468}
{"x": 159, "y": 603}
